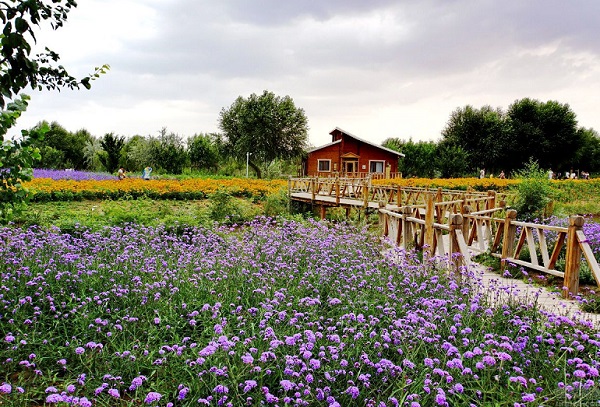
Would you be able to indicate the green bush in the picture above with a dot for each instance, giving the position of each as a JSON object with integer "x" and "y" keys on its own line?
{"x": 534, "y": 192}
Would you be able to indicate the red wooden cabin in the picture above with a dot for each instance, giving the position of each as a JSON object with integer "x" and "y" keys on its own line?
{"x": 351, "y": 156}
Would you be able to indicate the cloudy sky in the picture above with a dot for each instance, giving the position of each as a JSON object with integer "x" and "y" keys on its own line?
{"x": 377, "y": 68}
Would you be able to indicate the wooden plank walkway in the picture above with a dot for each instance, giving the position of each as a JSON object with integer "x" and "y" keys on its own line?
{"x": 344, "y": 202}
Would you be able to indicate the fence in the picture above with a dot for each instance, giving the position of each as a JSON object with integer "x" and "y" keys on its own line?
{"x": 470, "y": 233}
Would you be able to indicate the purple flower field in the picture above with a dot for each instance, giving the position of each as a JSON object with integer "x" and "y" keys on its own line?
{"x": 72, "y": 174}
{"x": 273, "y": 313}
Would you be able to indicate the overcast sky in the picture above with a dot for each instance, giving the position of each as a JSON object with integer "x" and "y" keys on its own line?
{"x": 376, "y": 68}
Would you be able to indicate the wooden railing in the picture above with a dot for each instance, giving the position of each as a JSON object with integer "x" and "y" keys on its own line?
{"x": 461, "y": 236}
{"x": 362, "y": 189}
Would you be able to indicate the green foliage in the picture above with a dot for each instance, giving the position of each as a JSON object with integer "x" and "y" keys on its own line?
{"x": 17, "y": 68}
{"x": 168, "y": 152}
{"x": 418, "y": 157}
{"x": 534, "y": 192}
{"x": 203, "y": 150}
{"x": 64, "y": 148}
{"x": 223, "y": 208}
{"x": 546, "y": 132}
{"x": 451, "y": 161}
{"x": 481, "y": 133}
{"x": 111, "y": 146}
{"x": 16, "y": 160}
{"x": 136, "y": 153}
{"x": 276, "y": 204}
{"x": 91, "y": 152}
{"x": 267, "y": 126}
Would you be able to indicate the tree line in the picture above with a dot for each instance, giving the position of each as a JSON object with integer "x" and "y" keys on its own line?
{"x": 268, "y": 131}
{"x": 503, "y": 141}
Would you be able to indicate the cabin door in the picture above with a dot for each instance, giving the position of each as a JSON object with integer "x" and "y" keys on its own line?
{"x": 350, "y": 166}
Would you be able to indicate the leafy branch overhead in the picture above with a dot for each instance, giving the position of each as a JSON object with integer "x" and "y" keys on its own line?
{"x": 18, "y": 68}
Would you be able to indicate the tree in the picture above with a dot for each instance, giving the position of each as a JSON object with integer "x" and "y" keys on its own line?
{"x": 481, "y": 133}
{"x": 263, "y": 128}
{"x": 168, "y": 152}
{"x": 16, "y": 160}
{"x": 59, "y": 143}
{"x": 418, "y": 157}
{"x": 18, "y": 69}
{"x": 546, "y": 132}
{"x": 137, "y": 154}
{"x": 111, "y": 155}
{"x": 203, "y": 151}
{"x": 587, "y": 157}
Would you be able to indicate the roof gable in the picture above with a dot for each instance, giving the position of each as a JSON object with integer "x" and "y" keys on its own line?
{"x": 345, "y": 133}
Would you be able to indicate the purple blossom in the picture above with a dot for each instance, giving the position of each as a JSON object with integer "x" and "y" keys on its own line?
{"x": 152, "y": 396}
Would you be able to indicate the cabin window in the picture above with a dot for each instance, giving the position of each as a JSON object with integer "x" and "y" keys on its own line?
{"x": 324, "y": 165}
{"x": 376, "y": 166}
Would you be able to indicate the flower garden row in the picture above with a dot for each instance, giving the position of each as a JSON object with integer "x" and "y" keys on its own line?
{"x": 273, "y": 313}
{"x": 53, "y": 185}
{"x": 46, "y": 189}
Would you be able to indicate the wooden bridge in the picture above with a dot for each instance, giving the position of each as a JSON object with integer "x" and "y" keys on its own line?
{"x": 457, "y": 225}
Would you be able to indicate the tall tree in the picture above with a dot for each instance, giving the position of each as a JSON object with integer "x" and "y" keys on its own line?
{"x": 204, "y": 151}
{"x": 18, "y": 69}
{"x": 544, "y": 131}
{"x": 168, "y": 152}
{"x": 418, "y": 156}
{"x": 262, "y": 128}
{"x": 481, "y": 133}
{"x": 111, "y": 155}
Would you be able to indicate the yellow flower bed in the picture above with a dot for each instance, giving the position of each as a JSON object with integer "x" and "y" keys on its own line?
{"x": 477, "y": 184}
{"x": 48, "y": 189}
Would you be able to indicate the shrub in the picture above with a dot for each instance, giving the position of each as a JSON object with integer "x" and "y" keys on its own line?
{"x": 534, "y": 192}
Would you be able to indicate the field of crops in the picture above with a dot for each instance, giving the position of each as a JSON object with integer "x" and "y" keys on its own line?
{"x": 271, "y": 312}
{"x": 274, "y": 313}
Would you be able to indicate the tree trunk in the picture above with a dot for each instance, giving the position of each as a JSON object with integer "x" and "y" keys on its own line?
{"x": 256, "y": 169}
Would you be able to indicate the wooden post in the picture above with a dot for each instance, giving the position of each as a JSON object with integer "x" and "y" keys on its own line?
{"x": 323, "y": 211}
{"x": 337, "y": 190}
{"x": 510, "y": 234}
{"x": 398, "y": 196}
{"x": 491, "y": 201}
{"x": 365, "y": 194}
{"x": 573, "y": 258}
{"x": 348, "y": 212}
{"x": 429, "y": 218}
{"x": 438, "y": 209}
{"x": 312, "y": 188}
{"x": 454, "y": 253}
{"x": 406, "y": 227}
{"x": 466, "y": 226}
{"x": 383, "y": 219}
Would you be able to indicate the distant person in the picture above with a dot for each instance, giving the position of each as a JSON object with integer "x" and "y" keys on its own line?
{"x": 502, "y": 176}
{"x": 567, "y": 175}
{"x": 146, "y": 173}
{"x": 573, "y": 175}
{"x": 121, "y": 173}
{"x": 550, "y": 174}
{"x": 482, "y": 173}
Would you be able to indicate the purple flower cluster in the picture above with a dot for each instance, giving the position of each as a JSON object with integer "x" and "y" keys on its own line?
{"x": 276, "y": 313}
{"x": 72, "y": 175}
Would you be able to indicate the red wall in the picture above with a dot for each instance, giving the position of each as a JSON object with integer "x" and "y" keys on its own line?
{"x": 365, "y": 152}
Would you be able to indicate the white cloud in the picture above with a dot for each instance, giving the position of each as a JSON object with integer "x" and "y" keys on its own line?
{"x": 377, "y": 69}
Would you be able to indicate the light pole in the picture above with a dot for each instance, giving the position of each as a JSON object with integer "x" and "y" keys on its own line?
{"x": 247, "y": 162}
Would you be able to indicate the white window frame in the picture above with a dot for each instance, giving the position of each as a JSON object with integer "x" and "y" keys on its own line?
{"x": 371, "y": 162}
{"x": 319, "y": 161}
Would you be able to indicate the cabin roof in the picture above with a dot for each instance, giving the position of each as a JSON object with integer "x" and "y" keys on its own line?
{"x": 356, "y": 138}
{"x": 366, "y": 142}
